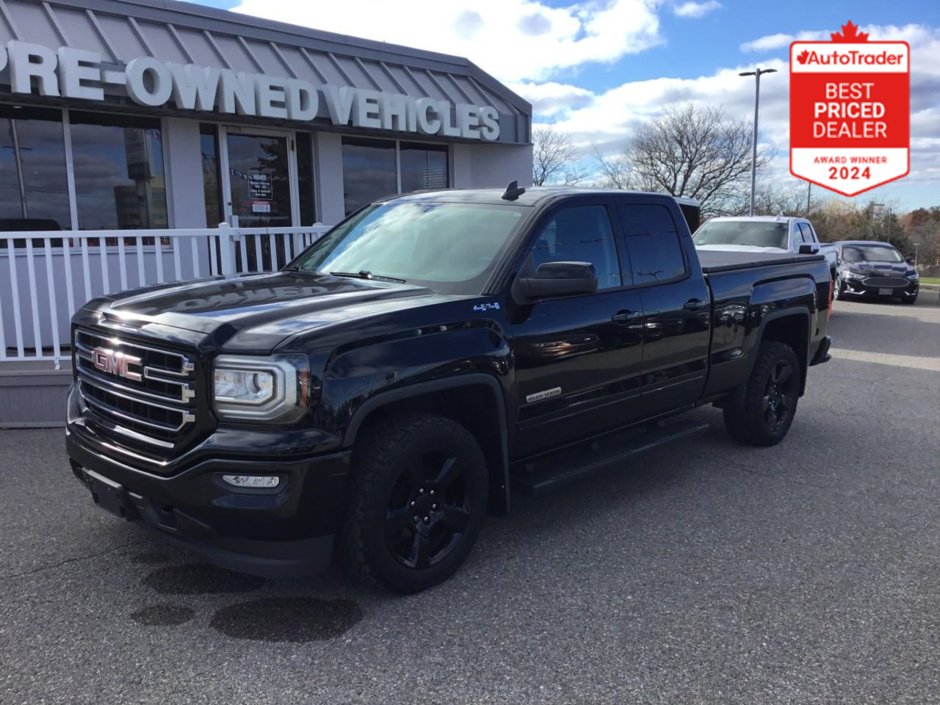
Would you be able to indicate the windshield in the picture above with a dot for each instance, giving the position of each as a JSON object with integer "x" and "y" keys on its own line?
{"x": 449, "y": 247}
{"x": 870, "y": 253}
{"x": 743, "y": 232}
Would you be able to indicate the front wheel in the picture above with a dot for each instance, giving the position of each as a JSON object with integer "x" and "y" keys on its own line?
{"x": 761, "y": 413}
{"x": 417, "y": 502}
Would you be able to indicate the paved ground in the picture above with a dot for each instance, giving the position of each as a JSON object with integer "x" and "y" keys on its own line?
{"x": 707, "y": 573}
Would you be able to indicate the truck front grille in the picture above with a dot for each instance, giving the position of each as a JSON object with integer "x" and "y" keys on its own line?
{"x": 141, "y": 397}
{"x": 892, "y": 282}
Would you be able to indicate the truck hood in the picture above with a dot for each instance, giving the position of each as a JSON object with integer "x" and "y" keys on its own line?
{"x": 259, "y": 310}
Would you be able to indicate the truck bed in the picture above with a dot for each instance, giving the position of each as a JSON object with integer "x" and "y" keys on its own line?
{"x": 714, "y": 261}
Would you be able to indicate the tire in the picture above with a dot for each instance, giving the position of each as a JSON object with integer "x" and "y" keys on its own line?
{"x": 761, "y": 413}
{"x": 416, "y": 504}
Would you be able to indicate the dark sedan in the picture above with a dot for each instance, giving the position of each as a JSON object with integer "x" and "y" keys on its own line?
{"x": 875, "y": 269}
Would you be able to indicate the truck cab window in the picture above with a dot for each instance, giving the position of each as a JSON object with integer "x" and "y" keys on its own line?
{"x": 807, "y": 233}
{"x": 655, "y": 257}
{"x": 580, "y": 234}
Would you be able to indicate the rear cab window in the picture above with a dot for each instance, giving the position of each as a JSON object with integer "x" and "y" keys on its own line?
{"x": 654, "y": 252}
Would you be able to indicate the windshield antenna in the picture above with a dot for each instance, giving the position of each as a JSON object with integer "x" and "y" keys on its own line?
{"x": 513, "y": 191}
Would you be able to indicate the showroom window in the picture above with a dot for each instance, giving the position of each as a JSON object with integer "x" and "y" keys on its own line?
{"x": 34, "y": 192}
{"x": 211, "y": 176}
{"x": 422, "y": 166}
{"x": 119, "y": 176}
{"x": 376, "y": 168}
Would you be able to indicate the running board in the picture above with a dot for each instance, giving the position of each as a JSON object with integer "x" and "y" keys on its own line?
{"x": 565, "y": 466}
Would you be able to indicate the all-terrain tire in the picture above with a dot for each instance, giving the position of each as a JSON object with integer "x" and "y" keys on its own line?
{"x": 416, "y": 503}
{"x": 761, "y": 413}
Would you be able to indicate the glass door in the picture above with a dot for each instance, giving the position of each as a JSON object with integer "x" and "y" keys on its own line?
{"x": 261, "y": 178}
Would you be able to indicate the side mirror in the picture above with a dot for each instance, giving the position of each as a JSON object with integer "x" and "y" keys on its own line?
{"x": 553, "y": 279}
{"x": 809, "y": 249}
{"x": 909, "y": 259}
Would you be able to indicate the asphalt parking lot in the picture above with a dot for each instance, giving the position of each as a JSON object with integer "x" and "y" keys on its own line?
{"x": 707, "y": 572}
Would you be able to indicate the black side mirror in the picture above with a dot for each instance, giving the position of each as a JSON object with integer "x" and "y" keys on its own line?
{"x": 909, "y": 259}
{"x": 809, "y": 249}
{"x": 553, "y": 279}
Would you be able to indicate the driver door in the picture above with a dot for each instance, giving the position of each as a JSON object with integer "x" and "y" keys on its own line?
{"x": 578, "y": 358}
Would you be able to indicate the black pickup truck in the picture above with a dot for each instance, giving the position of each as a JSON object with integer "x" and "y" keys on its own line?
{"x": 429, "y": 356}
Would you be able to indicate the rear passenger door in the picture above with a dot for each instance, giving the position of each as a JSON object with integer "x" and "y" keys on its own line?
{"x": 660, "y": 264}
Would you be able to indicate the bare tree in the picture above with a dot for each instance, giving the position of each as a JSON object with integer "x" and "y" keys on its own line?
{"x": 693, "y": 151}
{"x": 554, "y": 157}
{"x": 612, "y": 172}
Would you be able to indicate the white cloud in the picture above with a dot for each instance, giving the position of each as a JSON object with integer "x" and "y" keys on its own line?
{"x": 539, "y": 50}
{"x": 695, "y": 9}
{"x": 609, "y": 120}
{"x": 514, "y": 40}
{"x": 549, "y": 99}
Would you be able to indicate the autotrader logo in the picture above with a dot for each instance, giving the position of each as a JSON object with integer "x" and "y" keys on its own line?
{"x": 114, "y": 362}
{"x": 850, "y": 58}
{"x": 850, "y": 111}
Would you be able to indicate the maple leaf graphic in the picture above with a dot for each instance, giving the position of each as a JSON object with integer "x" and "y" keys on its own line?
{"x": 803, "y": 56}
{"x": 849, "y": 34}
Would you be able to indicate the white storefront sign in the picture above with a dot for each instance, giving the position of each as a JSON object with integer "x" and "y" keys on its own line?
{"x": 78, "y": 73}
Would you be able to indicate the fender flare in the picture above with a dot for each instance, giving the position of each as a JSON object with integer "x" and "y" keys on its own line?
{"x": 775, "y": 316}
{"x": 417, "y": 389}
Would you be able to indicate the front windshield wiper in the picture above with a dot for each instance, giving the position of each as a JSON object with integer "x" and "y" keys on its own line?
{"x": 366, "y": 274}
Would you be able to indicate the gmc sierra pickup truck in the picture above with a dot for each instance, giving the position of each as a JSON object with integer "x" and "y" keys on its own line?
{"x": 428, "y": 357}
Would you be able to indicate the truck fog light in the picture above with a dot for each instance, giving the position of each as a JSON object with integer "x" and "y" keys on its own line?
{"x": 265, "y": 482}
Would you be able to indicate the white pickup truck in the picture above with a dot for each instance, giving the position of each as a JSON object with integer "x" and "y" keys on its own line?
{"x": 762, "y": 233}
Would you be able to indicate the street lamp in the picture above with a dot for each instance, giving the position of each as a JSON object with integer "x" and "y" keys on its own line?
{"x": 756, "y": 74}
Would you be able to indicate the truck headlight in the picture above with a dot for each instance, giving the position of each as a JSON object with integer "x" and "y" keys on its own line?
{"x": 260, "y": 388}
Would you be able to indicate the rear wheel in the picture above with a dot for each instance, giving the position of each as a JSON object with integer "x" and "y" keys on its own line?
{"x": 761, "y": 413}
{"x": 417, "y": 502}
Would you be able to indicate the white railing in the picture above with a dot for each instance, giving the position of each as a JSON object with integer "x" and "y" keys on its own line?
{"x": 46, "y": 276}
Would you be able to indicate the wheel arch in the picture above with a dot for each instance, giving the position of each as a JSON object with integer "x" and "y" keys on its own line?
{"x": 790, "y": 327}
{"x": 474, "y": 400}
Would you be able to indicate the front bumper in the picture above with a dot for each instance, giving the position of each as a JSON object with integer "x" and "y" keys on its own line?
{"x": 859, "y": 287}
{"x": 284, "y": 532}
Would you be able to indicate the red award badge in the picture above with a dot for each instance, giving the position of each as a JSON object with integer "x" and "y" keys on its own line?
{"x": 850, "y": 111}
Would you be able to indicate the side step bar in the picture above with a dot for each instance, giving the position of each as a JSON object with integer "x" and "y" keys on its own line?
{"x": 559, "y": 469}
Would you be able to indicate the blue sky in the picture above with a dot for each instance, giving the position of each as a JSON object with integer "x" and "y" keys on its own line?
{"x": 598, "y": 68}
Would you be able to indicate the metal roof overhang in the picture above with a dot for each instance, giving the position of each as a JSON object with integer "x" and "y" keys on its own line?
{"x": 184, "y": 33}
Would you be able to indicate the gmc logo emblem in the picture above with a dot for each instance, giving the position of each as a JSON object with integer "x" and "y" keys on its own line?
{"x": 116, "y": 363}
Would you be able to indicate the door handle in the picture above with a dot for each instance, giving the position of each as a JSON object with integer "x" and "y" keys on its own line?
{"x": 625, "y": 316}
{"x": 694, "y": 305}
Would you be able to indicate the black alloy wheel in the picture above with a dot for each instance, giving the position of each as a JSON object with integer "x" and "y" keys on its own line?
{"x": 780, "y": 395}
{"x": 429, "y": 510}
{"x": 416, "y": 504}
{"x": 760, "y": 413}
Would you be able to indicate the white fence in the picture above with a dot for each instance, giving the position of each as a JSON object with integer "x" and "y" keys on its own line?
{"x": 47, "y": 276}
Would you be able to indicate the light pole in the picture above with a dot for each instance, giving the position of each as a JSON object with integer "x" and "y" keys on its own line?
{"x": 756, "y": 74}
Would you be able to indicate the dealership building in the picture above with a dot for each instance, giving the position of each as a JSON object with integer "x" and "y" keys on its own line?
{"x": 194, "y": 141}
{"x": 124, "y": 114}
